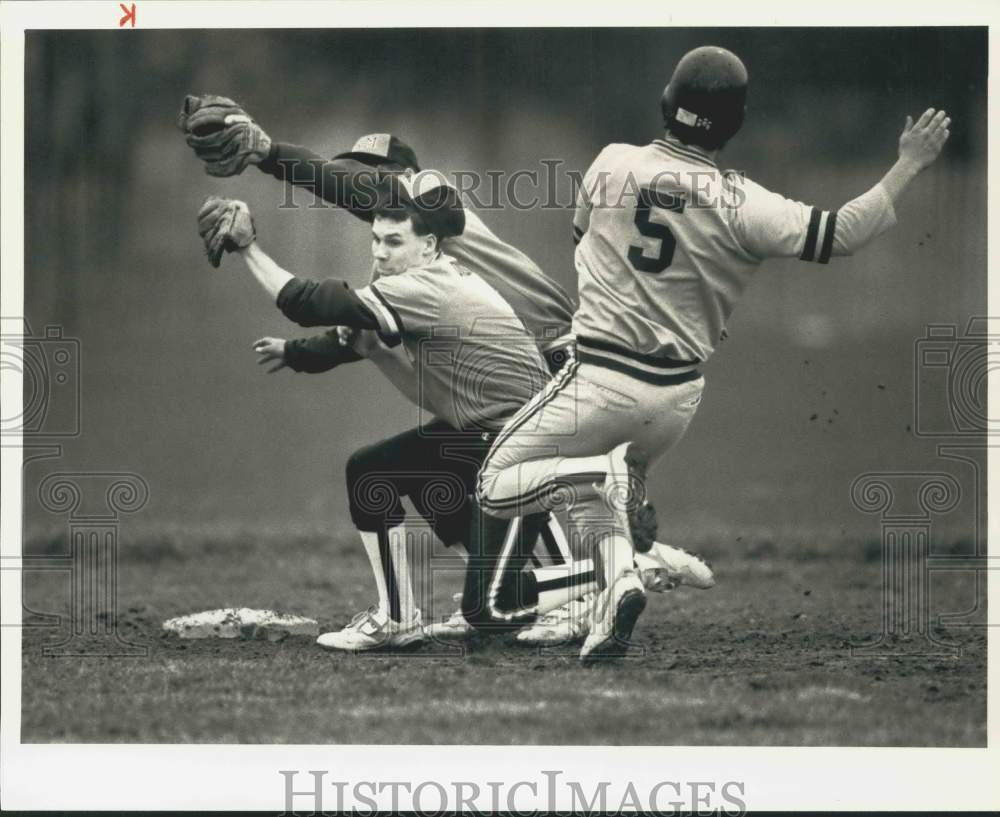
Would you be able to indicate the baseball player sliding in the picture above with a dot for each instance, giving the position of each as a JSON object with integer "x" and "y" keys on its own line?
{"x": 227, "y": 140}
{"x": 419, "y": 292}
{"x": 667, "y": 242}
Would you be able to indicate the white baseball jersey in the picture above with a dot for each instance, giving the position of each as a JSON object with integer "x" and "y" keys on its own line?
{"x": 667, "y": 243}
{"x": 538, "y": 300}
{"x": 474, "y": 361}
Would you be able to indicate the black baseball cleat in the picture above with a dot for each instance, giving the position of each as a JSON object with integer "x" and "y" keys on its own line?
{"x": 624, "y": 491}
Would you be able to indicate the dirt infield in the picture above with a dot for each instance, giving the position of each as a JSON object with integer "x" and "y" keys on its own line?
{"x": 764, "y": 658}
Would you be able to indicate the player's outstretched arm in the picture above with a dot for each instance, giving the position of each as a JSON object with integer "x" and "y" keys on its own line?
{"x": 771, "y": 226}
{"x": 316, "y": 354}
{"x": 265, "y": 269}
{"x": 308, "y": 303}
{"x": 225, "y": 225}
{"x": 871, "y": 214}
{"x": 919, "y": 145}
{"x": 226, "y": 139}
{"x": 345, "y": 183}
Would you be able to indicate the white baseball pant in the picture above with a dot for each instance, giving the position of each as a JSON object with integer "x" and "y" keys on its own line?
{"x": 553, "y": 452}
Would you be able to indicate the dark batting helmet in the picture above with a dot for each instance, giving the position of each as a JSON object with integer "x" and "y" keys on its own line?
{"x": 705, "y": 100}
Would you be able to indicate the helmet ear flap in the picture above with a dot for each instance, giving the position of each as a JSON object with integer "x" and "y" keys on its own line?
{"x": 708, "y": 123}
{"x": 668, "y": 105}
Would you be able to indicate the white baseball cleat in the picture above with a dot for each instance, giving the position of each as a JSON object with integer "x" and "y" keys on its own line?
{"x": 613, "y": 617}
{"x": 666, "y": 567}
{"x": 372, "y": 629}
{"x": 564, "y": 625}
{"x": 453, "y": 628}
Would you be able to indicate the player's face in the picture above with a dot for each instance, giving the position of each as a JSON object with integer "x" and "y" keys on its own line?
{"x": 396, "y": 248}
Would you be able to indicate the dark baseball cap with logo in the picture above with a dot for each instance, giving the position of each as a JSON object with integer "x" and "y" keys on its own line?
{"x": 379, "y": 148}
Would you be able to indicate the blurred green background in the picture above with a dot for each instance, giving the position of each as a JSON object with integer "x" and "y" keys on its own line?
{"x": 814, "y": 386}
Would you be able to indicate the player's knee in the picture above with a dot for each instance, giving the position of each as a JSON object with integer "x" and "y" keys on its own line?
{"x": 372, "y": 494}
{"x": 451, "y": 529}
{"x": 360, "y": 463}
{"x": 495, "y": 490}
{"x": 486, "y": 489}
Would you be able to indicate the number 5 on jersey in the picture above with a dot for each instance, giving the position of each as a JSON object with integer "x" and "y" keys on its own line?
{"x": 651, "y": 202}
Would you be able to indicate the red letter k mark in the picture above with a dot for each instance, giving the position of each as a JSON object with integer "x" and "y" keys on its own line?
{"x": 129, "y": 15}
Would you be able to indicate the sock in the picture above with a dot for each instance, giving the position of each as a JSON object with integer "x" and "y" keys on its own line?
{"x": 560, "y": 584}
{"x": 616, "y": 556}
{"x": 370, "y": 539}
{"x": 401, "y": 564}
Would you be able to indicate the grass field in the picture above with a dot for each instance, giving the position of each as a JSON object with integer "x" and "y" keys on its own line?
{"x": 762, "y": 659}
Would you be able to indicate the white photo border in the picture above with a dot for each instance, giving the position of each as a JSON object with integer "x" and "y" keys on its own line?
{"x": 207, "y": 777}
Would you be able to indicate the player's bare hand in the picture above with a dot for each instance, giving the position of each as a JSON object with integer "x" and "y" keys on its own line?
{"x": 346, "y": 335}
{"x": 361, "y": 341}
{"x": 270, "y": 350}
{"x": 921, "y": 141}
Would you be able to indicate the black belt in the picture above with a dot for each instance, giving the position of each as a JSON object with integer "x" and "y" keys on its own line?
{"x": 660, "y": 371}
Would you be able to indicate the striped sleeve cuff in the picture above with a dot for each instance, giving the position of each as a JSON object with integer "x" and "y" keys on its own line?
{"x": 819, "y": 236}
{"x": 390, "y": 327}
{"x": 577, "y": 234}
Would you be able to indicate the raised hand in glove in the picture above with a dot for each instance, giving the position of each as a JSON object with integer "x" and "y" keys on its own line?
{"x": 224, "y": 225}
{"x": 222, "y": 134}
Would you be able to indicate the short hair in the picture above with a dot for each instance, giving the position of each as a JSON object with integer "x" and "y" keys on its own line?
{"x": 400, "y": 211}
{"x": 437, "y": 210}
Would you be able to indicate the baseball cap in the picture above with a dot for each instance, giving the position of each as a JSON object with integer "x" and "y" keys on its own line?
{"x": 375, "y": 148}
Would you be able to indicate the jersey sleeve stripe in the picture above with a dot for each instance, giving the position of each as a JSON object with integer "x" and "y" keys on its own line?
{"x": 390, "y": 326}
{"x": 577, "y": 234}
{"x": 397, "y": 322}
{"x": 827, "y": 249}
{"x": 809, "y": 250}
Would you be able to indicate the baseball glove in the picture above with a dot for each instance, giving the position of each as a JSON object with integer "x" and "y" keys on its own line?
{"x": 222, "y": 134}
{"x": 224, "y": 225}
